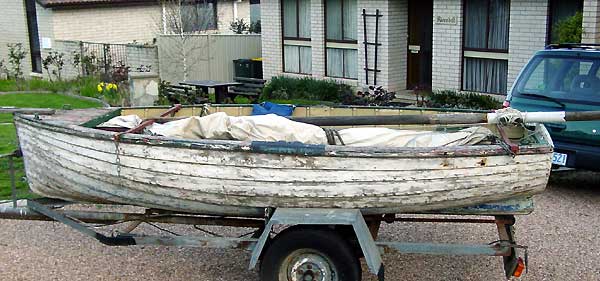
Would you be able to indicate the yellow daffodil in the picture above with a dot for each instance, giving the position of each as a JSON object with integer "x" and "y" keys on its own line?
{"x": 99, "y": 88}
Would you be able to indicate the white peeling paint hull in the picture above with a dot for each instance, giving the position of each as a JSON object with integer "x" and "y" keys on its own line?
{"x": 220, "y": 180}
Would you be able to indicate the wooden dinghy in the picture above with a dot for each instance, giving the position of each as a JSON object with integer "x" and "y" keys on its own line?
{"x": 66, "y": 157}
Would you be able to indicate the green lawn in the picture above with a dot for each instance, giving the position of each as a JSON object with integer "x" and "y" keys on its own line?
{"x": 45, "y": 101}
{"x": 85, "y": 86}
{"x": 8, "y": 139}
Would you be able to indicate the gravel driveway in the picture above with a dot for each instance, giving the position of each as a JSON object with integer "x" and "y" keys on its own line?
{"x": 563, "y": 235}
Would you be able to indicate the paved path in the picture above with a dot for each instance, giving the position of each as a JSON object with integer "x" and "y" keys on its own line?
{"x": 563, "y": 235}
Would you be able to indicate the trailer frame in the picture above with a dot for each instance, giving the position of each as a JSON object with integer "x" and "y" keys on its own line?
{"x": 353, "y": 227}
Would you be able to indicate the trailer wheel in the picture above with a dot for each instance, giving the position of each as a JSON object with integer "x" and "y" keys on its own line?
{"x": 308, "y": 254}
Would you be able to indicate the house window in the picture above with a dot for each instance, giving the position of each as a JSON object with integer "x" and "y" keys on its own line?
{"x": 485, "y": 59}
{"x": 34, "y": 39}
{"x": 341, "y": 43}
{"x": 199, "y": 15}
{"x": 297, "y": 51}
{"x": 254, "y": 11}
{"x": 559, "y": 11}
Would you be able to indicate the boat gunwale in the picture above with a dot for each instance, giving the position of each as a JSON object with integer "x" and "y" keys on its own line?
{"x": 284, "y": 148}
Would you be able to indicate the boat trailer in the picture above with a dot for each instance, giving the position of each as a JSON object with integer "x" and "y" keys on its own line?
{"x": 315, "y": 244}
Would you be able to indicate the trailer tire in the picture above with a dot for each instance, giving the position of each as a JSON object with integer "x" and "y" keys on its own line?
{"x": 310, "y": 254}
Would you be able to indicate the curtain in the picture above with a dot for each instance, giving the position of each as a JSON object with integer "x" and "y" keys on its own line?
{"x": 334, "y": 19}
{"x": 305, "y": 60}
{"x": 206, "y": 16}
{"x": 188, "y": 17}
{"x": 291, "y": 59}
{"x": 499, "y": 22}
{"x": 198, "y": 16}
{"x": 351, "y": 63}
{"x": 341, "y": 19}
{"x": 304, "y": 19}
{"x": 289, "y": 18}
{"x": 350, "y": 19}
{"x": 475, "y": 23}
{"x": 335, "y": 61}
{"x": 342, "y": 63}
{"x": 297, "y": 59}
{"x": 485, "y": 75}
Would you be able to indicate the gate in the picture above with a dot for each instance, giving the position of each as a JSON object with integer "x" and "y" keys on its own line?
{"x": 101, "y": 58}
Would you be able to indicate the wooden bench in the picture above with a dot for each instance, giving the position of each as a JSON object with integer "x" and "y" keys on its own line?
{"x": 178, "y": 94}
{"x": 251, "y": 88}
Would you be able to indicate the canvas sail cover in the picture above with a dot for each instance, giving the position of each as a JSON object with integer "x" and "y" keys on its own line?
{"x": 276, "y": 128}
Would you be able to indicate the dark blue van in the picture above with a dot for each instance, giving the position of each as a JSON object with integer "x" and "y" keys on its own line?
{"x": 564, "y": 77}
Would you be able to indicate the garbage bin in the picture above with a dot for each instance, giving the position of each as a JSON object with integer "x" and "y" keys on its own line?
{"x": 242, "y": 68}
{"x": 249, "y": 68}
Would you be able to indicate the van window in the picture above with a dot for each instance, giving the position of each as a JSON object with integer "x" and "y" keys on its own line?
{"x": 562, "y": 78}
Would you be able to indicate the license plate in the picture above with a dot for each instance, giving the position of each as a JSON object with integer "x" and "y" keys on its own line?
{"x": 559, "y": 159}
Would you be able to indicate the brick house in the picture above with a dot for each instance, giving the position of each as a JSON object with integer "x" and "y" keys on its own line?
{"x": 37, "y": 24}
{"x": 465, "y": 45}
{"x": 125, "y": 21}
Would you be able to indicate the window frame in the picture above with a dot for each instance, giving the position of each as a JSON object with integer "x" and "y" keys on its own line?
{"x": 294, "y": 41}
{"x": 487, "y": 29}
{"x": 550, "y": 16}
{"x": 482, "y": 53}
{"x": 297, "y": 38}
{"x": 337, "y": 43}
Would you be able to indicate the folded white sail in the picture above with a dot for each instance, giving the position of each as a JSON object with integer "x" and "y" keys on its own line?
{"x": 276, "y": 128}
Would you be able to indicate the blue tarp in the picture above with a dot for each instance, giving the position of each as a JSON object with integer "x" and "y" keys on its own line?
{"x": 272, "y": 108}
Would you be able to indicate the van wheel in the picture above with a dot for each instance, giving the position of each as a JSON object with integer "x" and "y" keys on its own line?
{"x": 309, "y": 254}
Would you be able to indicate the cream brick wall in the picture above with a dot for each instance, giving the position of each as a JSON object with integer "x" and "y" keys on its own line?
{"x": 392, "y": 36}
{"x": 121, "y": 24}
{"x": 447, "y": 46}
{"x": 125, "y": 24}
{"x": 527, "y": 34}
{"x": 317, "y": 32}
{"x": 391, "y": 55}
{"x": 271, "y": 38}
{"x": 591, "y": 22}
{"x": 13, "y": 29}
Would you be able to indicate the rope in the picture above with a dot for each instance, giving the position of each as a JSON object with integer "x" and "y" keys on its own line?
{"x": 204, "y": 110}
{"x": 332, "y": 134}
{"x": 509, "y": 116}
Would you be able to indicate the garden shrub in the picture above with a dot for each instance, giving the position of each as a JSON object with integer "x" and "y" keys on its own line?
{"x": 287, "y": 88}
{"x": 374, "y": 95}
{"x": 452, "y": 99}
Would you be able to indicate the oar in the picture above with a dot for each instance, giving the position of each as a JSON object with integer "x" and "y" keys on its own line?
{"x": 440, "y": 119}
{"x": 452, "y": 118}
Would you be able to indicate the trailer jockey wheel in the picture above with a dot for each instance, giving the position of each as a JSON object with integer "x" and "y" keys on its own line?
{"x": 309, "y": 254}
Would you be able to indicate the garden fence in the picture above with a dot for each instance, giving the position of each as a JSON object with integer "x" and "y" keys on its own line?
{"x": 204, "y": 56}
{"x": 102, "y": 58}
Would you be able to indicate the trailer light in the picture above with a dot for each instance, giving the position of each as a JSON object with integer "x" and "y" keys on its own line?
{"x": 520, "y": 268}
